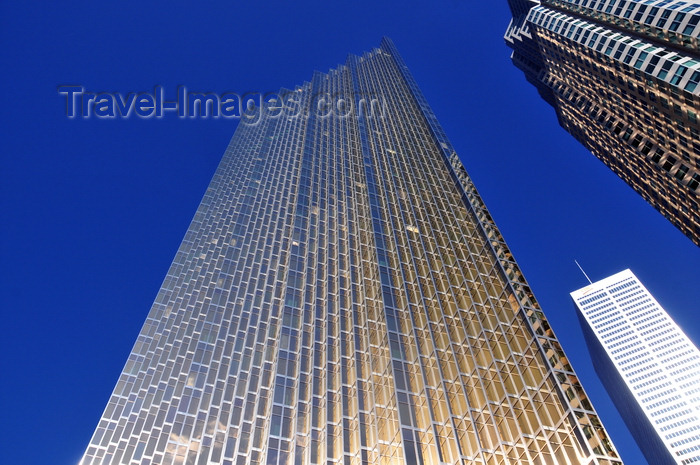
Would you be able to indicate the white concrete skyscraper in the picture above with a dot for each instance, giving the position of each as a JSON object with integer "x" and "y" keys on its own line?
{"x": 648, "y": 365}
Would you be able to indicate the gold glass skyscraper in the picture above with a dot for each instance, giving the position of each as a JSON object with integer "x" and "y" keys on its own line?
{"x": 623, "y": 78}
{"x": 342, "y": 296}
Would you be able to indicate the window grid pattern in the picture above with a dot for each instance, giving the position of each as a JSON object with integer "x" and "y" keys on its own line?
{"x": 655, "y": 359}
{"x": 343, "y": 297}
{"x": 630, "y": 98}
{"x": 674, "y": 22}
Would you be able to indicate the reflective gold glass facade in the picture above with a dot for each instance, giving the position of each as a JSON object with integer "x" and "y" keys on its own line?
{"x": 342, "y": 296}
{"x": 623, "y": 77}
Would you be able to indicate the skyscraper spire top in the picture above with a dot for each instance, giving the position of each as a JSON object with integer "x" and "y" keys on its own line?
{"x": 584, "y": 273}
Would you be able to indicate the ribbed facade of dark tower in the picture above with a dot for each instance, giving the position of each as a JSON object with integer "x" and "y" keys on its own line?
{"x": 342, "y": 296}
{"x": 623, "y": 78}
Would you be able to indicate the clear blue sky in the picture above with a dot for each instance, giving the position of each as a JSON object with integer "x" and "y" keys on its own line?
{"x": 94, "y": 210}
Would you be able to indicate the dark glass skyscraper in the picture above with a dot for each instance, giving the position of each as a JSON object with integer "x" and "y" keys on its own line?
{"x": 342, "y": 296}
{"x": 623, "y": 78}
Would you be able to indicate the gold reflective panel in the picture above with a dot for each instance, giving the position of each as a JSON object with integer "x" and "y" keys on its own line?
{"x": 343, "y": 296}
